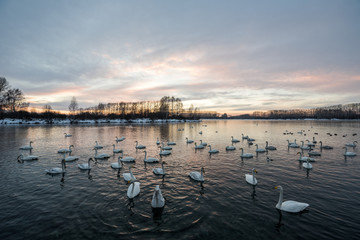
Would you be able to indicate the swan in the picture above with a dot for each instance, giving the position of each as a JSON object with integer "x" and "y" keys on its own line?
{"x": 133, "y": 189}
{"x": 314, "y": 141}
{"x": 259, "y": 150}
{"x": 129, "y": 176}
{"x": 325, "y": 147}
{"x": 29, "y": 147}
{"x": 313, "y": 153}
{"x": 165, "y": 147}
{"x": 57, "y": 170}
{"x": 267, "y": 147}
{"x": 101, "y": 156}
{"x": 307, "y": 165}
{"x": 304, "y": 159}
{"x": 164, "y": 152}
{"x": 197, "y": 176}
{"x": 289, "y": 206}
{"x": 234, "y": 140}
{"x": 157, "y": 141}
{"x": 349, "y": 153}
{"x": 244, "y": 137}
{"x": 22, "y": 158}
{"x": 126, "y": 159}
{"x": 250, "y": 178}
{"x": 119, "y": 139}
{"x": 251, "y": 139}
{"x": 189, "y": 140}
{"x": 158, "y": 201}
{"x": 97, "y": 146}
{"x": 150, "y": 159}
{"x": 293, "y": 144}
{"x": 200, "y": 132}
{"x": 139, "y": 146}
{"x": 353, "y": 145}
{"x": 117, "y": 150}
{"x": 304, "y": 147}
{"x": 67, "y": 135}
{"x": 203, "y": 143}
{"x": 230, "y": 148}
{"x": 85, "y": 166}
{"x": 171, "y": 143}
{"x": 70, "y": 158}
{"x": 199, "y": 146}
{"x": 213, "y": 150}
{"x": 117, "y": 165}
{"x": 310, "y": 144}
{"x": 245, "y": 155}
{"x": 65, "y": 150}
{"x": 160, "y": 171}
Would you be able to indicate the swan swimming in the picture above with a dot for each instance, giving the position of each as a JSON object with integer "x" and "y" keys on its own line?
{"x": 164, "y": 152}
{"x": 325, "y": 147}
{"x": 234, "y": 140}
{"x": 129, "y": 176}
{"x": 304, "y": 147}
{"x": 259, "y": 150}
{"x": 250, "y": 178}
{"x": 150, "y": 159}
{"x": 85, "y": 166}
{"x": 119, "y": 139}
{"x": 244, "y": 137}
{"x": 203, "y": 143}
{"x": 70, "y": 158}
{"x": 137, "y": 146}
{"x": 171, "y": 143}
{"x": 353, "y": 145}
{"x": 126, "y": 159}
{"x": 116, "y": 150}
{"x": 313, "y": 153}
{"x": 157, "y": 141}
{"x": 22, "y": 158}
{"x": 29, "y": 147}
{"x": 65, "y": 150}
{"x": 245, "y": 155}
{"x": 67, "y": 135}
{"x": 189, "y": 140}
{"x": 267, "y": 147}
{"x": 230, "y": 148}
{"x": 133, "y": 189}
{"x": 117, "y": 165}
{"x": 289, "y": 206}
{"x": 213, "y": 150}
{"x": 197, "y": 176}
{"x": 349, "y": 154}
{"x": 101, "y": 156}
{"x": 307, "y": 165}
{"x": 57, "y": 170}
{"x": 97, "y": 146}
{"x": 165, "y": 147}
{"x": 158, "y": 201}
{"x": 199, "y": 146}
{"x": 160, "y": 171}
{"x": 304, "y": 159}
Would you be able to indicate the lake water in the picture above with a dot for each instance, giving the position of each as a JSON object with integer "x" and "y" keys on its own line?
{"x": 94, "y": 205}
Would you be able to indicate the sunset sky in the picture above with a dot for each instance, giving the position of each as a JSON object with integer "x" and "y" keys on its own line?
{"x": 226, "y": 56}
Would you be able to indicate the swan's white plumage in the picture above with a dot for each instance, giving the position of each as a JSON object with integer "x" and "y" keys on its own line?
{"x": 289, "y": 206}
{"x": 158, "y": 200}
{"x": 250, "y": 178}
{"x": 133, "y": 189}
{"x": 197, "y": 176}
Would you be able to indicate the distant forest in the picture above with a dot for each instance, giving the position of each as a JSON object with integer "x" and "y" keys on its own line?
{"x": 13, "y": 105}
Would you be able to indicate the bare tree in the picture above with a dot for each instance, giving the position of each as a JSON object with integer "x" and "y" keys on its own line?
{"x": 3, "y": 87}
{"x": 14, "y": 99}
{"x": 73, "y": 105}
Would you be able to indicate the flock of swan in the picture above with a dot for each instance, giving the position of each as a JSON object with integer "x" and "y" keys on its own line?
{"x": 158, "y": 201}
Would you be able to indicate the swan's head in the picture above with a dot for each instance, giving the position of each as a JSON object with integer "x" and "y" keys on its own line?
{"x": 91, "y": 159}
{"x": 71, "y": 146}
{"x": 298, "y": 153}
{"x": 278, "y": 187}
{"x": 163, "y": 162}
{"x": 120, "y": 158}
{"x": 254, "y": 170}
{"x": 203, "y": 169}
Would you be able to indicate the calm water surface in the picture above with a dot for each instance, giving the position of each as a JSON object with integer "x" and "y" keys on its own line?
{"x": 89, "y": 205}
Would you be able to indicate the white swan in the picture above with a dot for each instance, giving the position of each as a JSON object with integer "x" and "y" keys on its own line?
{"x": 197, "y": 176}
{"x": 314, "y": 153}
{"x": 164, "y": 152}
{"x": 165, "y": 147}
{"x": 230, "y": 148}
{"x": 267, "y": 147}
{"x": 129, "y": 176}
{"x": 353, "y": 145}
{"x": 259, "y": 150}
{"x": 97, "y": 146}
{"x": 117, "y": 150}
{"x": 57, "y": 170}
{"x": 289, "y": 206}
{"x": 171, "y": 143}
{"x": 304, "y": 147}
{"x": 137, "y": 146}
{"x": 101, "y": 156}
{"x": 304, "y": 159}
{"x": 310, "y": 144}
{"x": 119, "y": 139}
{"x": 160, "y": 171}
{"x": 85, "y": 166}
{"x": 325, "y": 147}
{"x": 213, "y": 150}
{"x": 66, "y": 150}
{"x": 307, "y": 165}
{"x": 245, "y": 155}
{"x": 67, "y": 135}
{"x": 117, "y": 165}
{"x": 349, "y": 154}
{"x": 199, "y": 146}
{"x": 250, "y": 178}
{"x": 234, "y": 140}
{"x": 133, "y": 189}
{"x": 126, "y": 159}
{"x": 158, "y": 201}
{"x": 22, "y": 158}
{"x": 150, "y": 159}
{"x": 314, "y": 141}
{"x": 157, "y": 141}
{"x": 292, "y": 144}
{"x": 29, "y": 147}
{"x": 244, "y": 137}
{"x": 70, "y": 158}
{"x": 203, "y": 143}
{"x": 189, "y": 140}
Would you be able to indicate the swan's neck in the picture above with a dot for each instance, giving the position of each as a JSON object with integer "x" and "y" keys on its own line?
{"x": 267, "y": 144}
{"x": 119, "y": 162}
{"x": 278, "y": 205}
{"x": 30, "y": 144}
{"x": 95, "y": 152}
{"x": 242, "y": 151}
{"x": 131, "y": 174}
{"x": 202, "y": 174}
{"x": 145, "y": 156}
{"x": 89, "y": 163}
